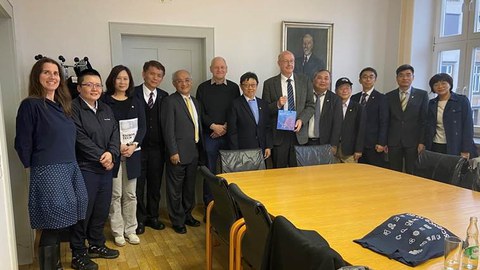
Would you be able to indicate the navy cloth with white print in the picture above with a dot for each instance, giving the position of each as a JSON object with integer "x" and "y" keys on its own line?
{"x": 407, "y": 238}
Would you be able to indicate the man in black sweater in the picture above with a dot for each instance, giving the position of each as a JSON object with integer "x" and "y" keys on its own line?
{"x": 215, "y": 96}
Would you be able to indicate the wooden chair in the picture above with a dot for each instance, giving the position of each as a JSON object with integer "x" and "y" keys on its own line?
{"x": 242, "y": 160}
{"x": 308, "y": 155}
{"x": 251, "y": 238}
{"x": 222, "y": 216}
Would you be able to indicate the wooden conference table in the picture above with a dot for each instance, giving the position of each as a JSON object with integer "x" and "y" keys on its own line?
{"x": 343, "y": 202}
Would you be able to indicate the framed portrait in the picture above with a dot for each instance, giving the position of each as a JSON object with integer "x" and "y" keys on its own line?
{"x": 311, "y": 43}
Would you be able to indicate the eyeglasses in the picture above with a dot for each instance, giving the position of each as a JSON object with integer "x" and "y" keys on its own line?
{"x": 92, "y": 85}
{"x": 365, "y": 77}
{"x": 406, "y": 75}
{"x": 248, "y": 85}
{"x": 183, "y": 81}
{"x": 288, "y": 61}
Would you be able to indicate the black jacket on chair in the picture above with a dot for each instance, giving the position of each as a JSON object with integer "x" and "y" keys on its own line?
{"x": 289, "y": 248}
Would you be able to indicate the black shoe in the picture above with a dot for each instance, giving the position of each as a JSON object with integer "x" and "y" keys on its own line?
{"x": 155, "y": 224}
{"x": 83, "y": 262}
{"x": 180, "y": 229}
{"x": 140, "y": 228}
{"x": 102, "y": 252}
{"x": 192, "y": 222}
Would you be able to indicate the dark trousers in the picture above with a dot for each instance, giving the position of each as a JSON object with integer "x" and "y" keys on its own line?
{"x": 399, "y": 156}
{"x": 50, "y": 237}
{"x": 181, "y": 191}
{"x": 99, "y": 189}
{"x": 283, "y": 155}
{"x": 372, "y": 157}
{"x": 212, "y": 146}
{"x": 439, "y": 148}
{"x": 153, "y": 162}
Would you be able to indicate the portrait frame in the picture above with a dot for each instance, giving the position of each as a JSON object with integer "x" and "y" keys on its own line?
{"x": 293, "y": 36}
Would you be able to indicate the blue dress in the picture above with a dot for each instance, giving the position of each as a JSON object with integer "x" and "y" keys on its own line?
{"x": 45, "y": 143}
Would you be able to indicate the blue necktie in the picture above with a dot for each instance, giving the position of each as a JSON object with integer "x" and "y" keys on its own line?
{"x": 291, "y": 100}
{"x": 254, "y": 108}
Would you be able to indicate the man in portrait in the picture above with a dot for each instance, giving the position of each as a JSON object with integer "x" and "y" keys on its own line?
{"x": 308, "y": 63}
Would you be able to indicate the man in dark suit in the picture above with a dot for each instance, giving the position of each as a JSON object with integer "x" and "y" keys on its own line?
{"x": 408, "y": 113}
{"x": 326, "y": 124}
{"x": 353, "y": 125}
{"x": 288, "y": 91}
{"x": 249, "y": 124}
{"x": 308, "y": 63}
{"x": 181, "y": 126}
{"x": 153, "y": 148}
{"x": 376, "y": 108}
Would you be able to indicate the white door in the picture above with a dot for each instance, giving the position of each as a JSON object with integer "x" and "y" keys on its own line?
{"x": 173, "y": 52}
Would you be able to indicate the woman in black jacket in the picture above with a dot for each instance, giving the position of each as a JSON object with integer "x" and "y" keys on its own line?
{"x": 130, "y": 114}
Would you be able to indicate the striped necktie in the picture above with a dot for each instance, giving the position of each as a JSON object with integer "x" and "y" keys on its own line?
{"x": 190, "y": 110}
{"x": 363, "y": 101}
{"x": 403, "y": 99}
{"x": 150, "y": 101}
{"x": 291, "y": 100}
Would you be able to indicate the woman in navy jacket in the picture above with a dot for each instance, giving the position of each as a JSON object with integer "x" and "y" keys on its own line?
{"x": 449, "y": 121}
{"x": 119, "y": 96}
{"x": 45, "y": 143}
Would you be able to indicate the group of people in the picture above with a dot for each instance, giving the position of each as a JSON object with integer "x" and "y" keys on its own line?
{"x": 102, "y": 154}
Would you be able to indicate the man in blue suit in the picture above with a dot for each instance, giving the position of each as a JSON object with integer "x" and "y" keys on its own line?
{"x": 376, "y": 108}
{"x": 408, "y": 113}
{"x": 248, "y": 122}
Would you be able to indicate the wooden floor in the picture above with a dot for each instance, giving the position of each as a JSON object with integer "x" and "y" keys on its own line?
{"x": 158, "y": 250}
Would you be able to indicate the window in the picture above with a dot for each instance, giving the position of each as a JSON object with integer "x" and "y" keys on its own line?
{"x": 457, "y": 49}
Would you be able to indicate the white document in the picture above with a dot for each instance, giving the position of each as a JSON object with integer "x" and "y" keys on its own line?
{"x": 128, "y": 131}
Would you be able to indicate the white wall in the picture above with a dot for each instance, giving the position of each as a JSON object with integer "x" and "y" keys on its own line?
{"x": 247, "y": 33}
{"x": 422, "y": 42}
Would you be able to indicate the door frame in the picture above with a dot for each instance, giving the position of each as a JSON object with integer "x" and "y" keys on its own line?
{"x": 117, "y": 29}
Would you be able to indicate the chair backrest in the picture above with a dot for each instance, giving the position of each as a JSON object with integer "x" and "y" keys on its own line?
{"x": 440, "y": 167}
{"x": 308, "y": 155}
{"x": 471, "y": 178}
{"x": 224, "y": 212}
{"x": 242, "y": 160}
{"x": 291, "y": 248}
{"x": 257, "y": 222}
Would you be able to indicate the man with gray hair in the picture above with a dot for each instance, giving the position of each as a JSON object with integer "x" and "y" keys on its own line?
{"x": 181, "y": 126}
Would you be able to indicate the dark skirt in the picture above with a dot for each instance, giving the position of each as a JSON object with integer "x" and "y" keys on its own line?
{"x": 58, "y": 197}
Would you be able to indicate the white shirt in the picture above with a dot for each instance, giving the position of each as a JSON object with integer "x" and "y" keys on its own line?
{"x": 311, "y": 123}
{"x": 283, "y": 81}
{"x": 440, "y": 130}
{"x": 146, "y": 94}
{"x": 345, "y": 106}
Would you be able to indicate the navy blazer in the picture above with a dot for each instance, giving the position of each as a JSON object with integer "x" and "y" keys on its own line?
{"x": 179, "y": 129}
{"x": 353, "y": 129}
{"x": 331, "y": 119}
{"x": 161, "y": 94}
{"x": 134, "y": 162}
{"x": 457, "y": 122}
{"x": 376, "y": 109}
{"x": 407, "y": 128}
{"x": 243, "y": 132}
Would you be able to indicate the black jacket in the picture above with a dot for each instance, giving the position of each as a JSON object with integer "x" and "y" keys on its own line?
{"x": 134, "y": 162}
{"x": 97, "y": 133}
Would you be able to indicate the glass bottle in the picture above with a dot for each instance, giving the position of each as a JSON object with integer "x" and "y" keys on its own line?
{"x": 470, "y": 252}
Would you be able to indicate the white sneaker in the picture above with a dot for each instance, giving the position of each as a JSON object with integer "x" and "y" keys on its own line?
{"x": 120, "y": 241}
{"x": 133, "y": 239}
